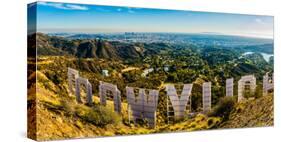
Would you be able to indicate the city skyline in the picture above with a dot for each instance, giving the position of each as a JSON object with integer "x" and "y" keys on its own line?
{"x": 81, "y": 18}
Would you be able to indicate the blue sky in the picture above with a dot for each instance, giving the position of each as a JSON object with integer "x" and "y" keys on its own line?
{"x": 80, "y": 18}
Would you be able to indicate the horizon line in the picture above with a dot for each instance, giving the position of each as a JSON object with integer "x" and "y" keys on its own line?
{"x": 202, "y": 33}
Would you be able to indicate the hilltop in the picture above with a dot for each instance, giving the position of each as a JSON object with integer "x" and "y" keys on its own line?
{"x": 85, "y": 48}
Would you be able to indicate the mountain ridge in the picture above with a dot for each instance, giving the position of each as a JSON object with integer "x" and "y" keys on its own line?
{"x": 93, "y": 48}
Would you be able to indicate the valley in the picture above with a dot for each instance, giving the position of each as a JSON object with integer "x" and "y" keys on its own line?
{"x": 125, "y": 62}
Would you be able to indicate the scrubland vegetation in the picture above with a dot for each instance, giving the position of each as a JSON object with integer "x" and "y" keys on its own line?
{"x": 58, "y": 116}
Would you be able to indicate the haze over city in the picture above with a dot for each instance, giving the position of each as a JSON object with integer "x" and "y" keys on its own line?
{"x": 80, "y": 18}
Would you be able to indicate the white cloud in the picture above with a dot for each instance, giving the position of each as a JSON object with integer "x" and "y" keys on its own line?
{"x": 260, "y": 21}
{"x": 77, "y": 7}
{"x": 64, "y": 6}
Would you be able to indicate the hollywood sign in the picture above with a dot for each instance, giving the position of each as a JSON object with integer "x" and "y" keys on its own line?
{"x": 144, "y": 105}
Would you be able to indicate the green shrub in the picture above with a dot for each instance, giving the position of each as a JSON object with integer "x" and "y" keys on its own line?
{"x": 223, "y": 108}
{"x": 97, "y": 115}
{"x": 68, "y": 107}
{"x": 213, "y": 122}
{"x": 210, "y": 122}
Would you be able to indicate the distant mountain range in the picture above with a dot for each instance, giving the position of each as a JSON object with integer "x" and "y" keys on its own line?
{"x": 85, "y": 48}
{"x": 112, "y": 47}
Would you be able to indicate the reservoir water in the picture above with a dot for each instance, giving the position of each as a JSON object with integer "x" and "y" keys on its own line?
{"x": 266, "y": 56}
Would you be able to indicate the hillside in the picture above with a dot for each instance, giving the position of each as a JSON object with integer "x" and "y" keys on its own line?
{"x": 58, "y": 115}
{"x": 88, "y": 48}
{"x": 252, "y": 113}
